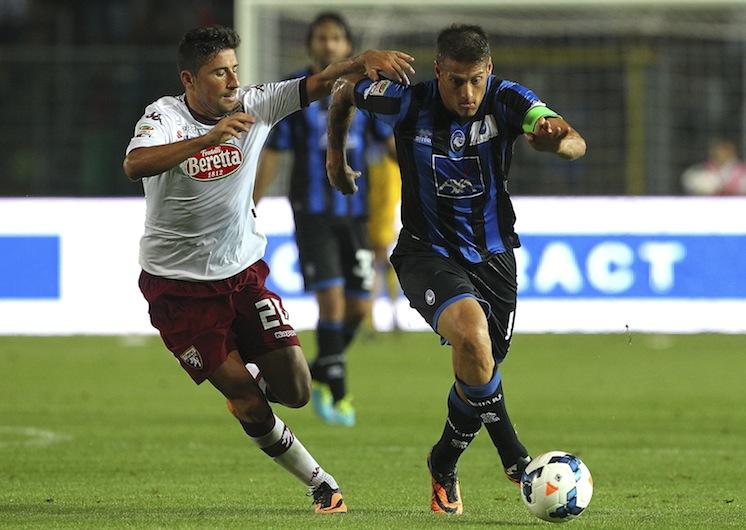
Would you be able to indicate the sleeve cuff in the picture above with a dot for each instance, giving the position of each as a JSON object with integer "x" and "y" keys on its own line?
{"x": 534, "y": 114}
{"x": 303, "y": 92}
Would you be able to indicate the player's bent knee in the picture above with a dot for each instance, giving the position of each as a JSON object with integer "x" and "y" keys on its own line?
{"x": 473, "y": 359}
{"x": 296, "y": 392}
{"x": 287, "y": 375}
{"x": 299, "y": 395}
{"x": 472, "y": 342}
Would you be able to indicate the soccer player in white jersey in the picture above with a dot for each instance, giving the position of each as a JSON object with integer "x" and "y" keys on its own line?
{"x": 203, "y": 275}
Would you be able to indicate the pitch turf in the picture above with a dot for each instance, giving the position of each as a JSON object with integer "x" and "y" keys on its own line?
{"x": 101, "y": 432}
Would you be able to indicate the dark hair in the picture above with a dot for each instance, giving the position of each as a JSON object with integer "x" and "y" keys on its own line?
{"x": 463, "y": 43}
{"x": 200, "y": 45}
{"x": 323, "y": 18}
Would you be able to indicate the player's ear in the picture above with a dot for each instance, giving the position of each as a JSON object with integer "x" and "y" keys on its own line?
{"x": 187, "y": 78}
{"x": 489, "y": 66}
{"x": 437, "y": 70}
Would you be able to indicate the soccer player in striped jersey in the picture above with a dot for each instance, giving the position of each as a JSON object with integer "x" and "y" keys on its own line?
{"x": 331, "y": 230}
{"x": 454, "y": 258}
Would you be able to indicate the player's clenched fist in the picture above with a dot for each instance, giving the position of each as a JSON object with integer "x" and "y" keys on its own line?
{"x": 545, "y": 136}
{"x": 342, "y": 177}
{"x": 230, "y": 127}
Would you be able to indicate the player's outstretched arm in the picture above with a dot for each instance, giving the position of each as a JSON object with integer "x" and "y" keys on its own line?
{"x": 555, "y": 135}
{"x": 341, "y": 112}
{"x": 266, "y": 172}
{"x": 392, "y": 64}
{"x": 148, "y": 161}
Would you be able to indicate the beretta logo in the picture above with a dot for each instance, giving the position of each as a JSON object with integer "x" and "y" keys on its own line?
{"x": 214, "y": 163}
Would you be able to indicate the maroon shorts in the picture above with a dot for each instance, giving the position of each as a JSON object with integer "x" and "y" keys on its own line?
{"x": 201, "y": 322}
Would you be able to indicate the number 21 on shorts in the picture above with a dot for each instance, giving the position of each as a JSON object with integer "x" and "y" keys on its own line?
{"x": 271, "y": 313}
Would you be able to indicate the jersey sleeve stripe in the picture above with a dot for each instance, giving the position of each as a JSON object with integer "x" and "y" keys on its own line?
{"x": 303, "y": 92}
{"x": 514, "y": 100}
{"x": 378, "y": 104}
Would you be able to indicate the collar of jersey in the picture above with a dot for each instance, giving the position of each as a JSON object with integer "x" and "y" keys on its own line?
{"x": 199, "y": 117}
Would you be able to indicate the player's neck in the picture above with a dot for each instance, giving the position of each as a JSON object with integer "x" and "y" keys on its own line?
{"x": 198, "y": 113}
{"x": 453, "y": 115}
{"x": 202, "y": 115}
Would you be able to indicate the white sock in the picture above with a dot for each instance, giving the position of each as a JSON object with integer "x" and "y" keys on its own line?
{"x": 288, "y": 451}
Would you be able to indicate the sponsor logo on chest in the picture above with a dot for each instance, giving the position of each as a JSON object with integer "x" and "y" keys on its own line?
{"x": 213, "y": 163}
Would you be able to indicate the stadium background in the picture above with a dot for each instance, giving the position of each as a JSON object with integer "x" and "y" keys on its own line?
{"x": 648, "y": 83}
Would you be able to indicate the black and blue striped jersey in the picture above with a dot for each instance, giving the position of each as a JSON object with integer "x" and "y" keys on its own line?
{"x": 454, "y": 174}
{"x": 304, "y": 132}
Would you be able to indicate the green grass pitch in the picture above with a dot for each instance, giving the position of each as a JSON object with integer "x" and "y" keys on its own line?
{"x": 102, "y": 432}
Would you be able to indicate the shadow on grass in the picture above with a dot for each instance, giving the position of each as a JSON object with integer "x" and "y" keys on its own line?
{"x": 148, "y": 515}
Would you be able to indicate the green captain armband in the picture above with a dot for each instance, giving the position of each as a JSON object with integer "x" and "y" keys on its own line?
{"x": 534, "y": 114}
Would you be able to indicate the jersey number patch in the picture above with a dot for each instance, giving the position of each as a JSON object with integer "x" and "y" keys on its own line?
{"x": 271, "y": 313}
{"x": 364, "y": 268}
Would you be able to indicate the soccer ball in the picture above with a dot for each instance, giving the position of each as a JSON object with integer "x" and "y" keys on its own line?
{"x": 556, "y": 486}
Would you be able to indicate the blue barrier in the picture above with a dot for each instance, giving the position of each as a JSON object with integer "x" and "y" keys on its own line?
{"x": 29, "y": 267}
{"x": 594, "y": 266}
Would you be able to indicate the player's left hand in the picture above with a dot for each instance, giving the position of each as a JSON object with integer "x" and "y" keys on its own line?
{"x": 342, "y": 177}
{"x": 391, "y": 63}
{"x": 546, "y": 137}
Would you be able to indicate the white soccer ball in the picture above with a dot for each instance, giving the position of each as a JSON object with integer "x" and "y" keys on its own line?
{"x": 556, "y": 486}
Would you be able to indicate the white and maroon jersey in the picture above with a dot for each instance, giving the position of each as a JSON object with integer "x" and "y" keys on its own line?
{"x": 200, "y": 220}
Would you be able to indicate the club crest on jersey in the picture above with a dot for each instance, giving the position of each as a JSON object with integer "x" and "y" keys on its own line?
{"x": 458, "y": 139}
{"x": 192, "y": 358}
{"x": 213, "y": 163}
{"x": 429, "y": 297}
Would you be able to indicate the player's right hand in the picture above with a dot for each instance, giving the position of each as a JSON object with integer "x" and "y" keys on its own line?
{"x": 342, "y": 177}
{"x": 391, "y": 63}
{"x": 230, "y": 127}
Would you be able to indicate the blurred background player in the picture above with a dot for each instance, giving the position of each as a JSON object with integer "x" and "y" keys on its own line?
{"x": 723, "y": 173}
{"x": 330, "y": 229}
{"x": 455, "y": 261}
{"x": 384, "y": 196}
{"x": 201, "y": 254}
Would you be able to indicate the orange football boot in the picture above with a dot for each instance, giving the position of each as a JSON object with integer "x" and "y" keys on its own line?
{"x": 446, "y": 492}
{"x": 328, "y": 500}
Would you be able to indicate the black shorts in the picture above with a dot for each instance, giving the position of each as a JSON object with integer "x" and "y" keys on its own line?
{"x": 335, "y": 251}
{"x": 432, "y": 282}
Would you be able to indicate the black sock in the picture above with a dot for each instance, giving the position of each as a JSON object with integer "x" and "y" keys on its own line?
{"x": 489, "y": 403}
{"x": 329, "y": 366}
{"x": 462, "y": 426}
{"x": 349, "y": 334}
